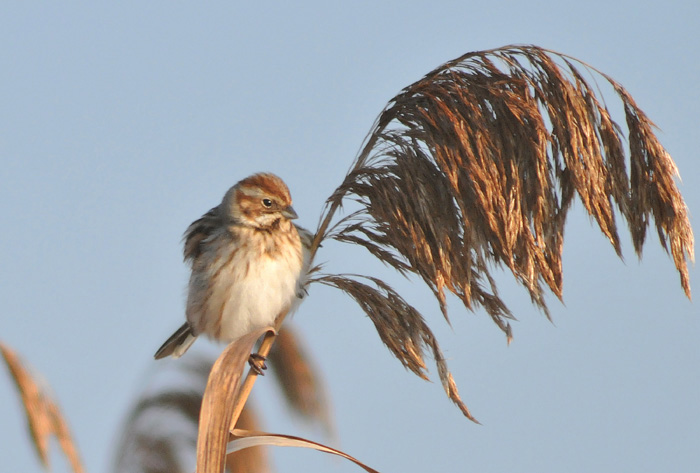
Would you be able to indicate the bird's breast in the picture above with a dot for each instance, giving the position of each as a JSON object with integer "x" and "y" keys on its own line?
{"x": 246, "y": 287}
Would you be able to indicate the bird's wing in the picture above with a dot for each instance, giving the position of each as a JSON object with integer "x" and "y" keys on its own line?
{"x": 198, "y": 232}
{"x": 306, "y": 237}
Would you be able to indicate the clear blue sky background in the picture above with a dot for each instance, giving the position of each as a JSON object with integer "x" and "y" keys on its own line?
{"x": 123, "y": 122}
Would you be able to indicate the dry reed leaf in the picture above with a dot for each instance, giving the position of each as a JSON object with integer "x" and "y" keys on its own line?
{"x": 44, "y": 418}
{"x": 250, "y": 460}
{"x": 475, "y": 167}
{"x": 218, "y": 403}
{"x": 245, "y": 439}
{"x": 160, "y": 431}
{"x": 299, "y": 378}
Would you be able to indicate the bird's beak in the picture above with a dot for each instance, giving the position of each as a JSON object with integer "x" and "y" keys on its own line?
{"x": 289, "y": 213}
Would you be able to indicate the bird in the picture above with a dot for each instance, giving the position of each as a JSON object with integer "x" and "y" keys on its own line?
{"x": 248, "y": 261}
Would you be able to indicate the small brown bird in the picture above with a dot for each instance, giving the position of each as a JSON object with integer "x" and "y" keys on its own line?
{"x": 247, "y": 261}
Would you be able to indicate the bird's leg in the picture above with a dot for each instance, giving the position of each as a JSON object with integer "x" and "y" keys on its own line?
{"x": 257, "y": 363}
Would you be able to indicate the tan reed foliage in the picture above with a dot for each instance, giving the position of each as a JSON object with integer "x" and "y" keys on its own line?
{"x": 475, "y": 167}
{"x": 219, "y": 432}
{"x": 160, "y": 431}
{"x": 44, "y": 418}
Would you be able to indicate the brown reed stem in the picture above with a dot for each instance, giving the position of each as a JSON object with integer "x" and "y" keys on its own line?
{"x": 252, "y": 376}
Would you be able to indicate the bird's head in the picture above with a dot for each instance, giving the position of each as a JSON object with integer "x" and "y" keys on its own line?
{"x": 261, "y": 201}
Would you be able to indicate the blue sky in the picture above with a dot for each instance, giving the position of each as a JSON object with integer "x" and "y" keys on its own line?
{"x": 124, "y": 122}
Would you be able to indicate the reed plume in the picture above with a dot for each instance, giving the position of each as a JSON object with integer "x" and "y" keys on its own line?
{"x": 474, "y": 167}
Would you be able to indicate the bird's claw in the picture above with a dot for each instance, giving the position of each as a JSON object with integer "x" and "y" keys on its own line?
{"x": 257, "y": 363}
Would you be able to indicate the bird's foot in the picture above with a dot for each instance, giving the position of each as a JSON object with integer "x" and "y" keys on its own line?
{"x": 257, "y": 363}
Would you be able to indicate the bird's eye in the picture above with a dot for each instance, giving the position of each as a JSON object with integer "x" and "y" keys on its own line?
{"x": 267, "y": 203}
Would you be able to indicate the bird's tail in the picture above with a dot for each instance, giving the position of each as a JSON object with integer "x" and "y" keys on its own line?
{"x": 177, "y": 344}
